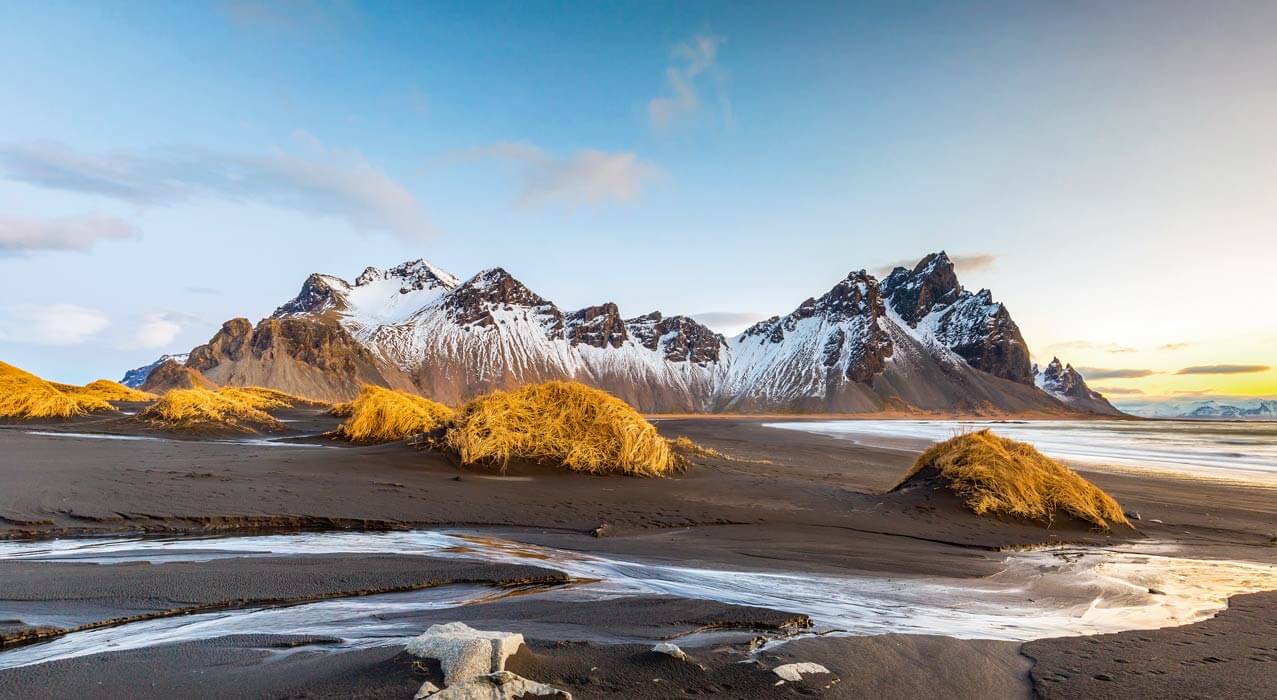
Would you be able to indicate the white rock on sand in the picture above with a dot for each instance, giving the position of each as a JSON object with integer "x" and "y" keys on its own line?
{"x": 670, "y": 650}
{"x": 496, "y": 686}
{"x": 465, "y": 653}
{"x": 795, "y": 672}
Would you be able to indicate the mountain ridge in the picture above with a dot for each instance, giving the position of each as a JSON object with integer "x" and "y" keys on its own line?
{"x": 915, "y": 341}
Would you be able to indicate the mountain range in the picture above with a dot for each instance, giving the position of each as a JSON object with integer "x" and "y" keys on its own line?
{"x": 914, "y": 341}
{"x": 1206, "y": 409}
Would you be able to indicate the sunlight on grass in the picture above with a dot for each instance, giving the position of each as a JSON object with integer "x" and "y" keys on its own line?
{"x": 562, "y": 424}
{"x": 379, "y": 414}
{"x": 26, "y": 396}
{"x": 204, "y": 410}
{"x": 994, "y": 475}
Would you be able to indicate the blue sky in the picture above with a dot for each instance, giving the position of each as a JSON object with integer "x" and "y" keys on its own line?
{"x": 1106, "y": 168}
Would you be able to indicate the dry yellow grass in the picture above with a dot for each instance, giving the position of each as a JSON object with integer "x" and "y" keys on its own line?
{"x": 994, "y": 475}
{"x": 108, "y": 390}
{"x": 25, "y": 396}
{"x": 204, "y": 410}
{"x": 563, "y": 424}
{"x": 685, "y": 444}
{"x": 272, "y": 398}
{"x": 379, "y": 414}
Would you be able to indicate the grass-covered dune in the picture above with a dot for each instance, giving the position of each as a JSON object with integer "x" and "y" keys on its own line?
{"x": 24, "y": 396}
{"x": 993, "y": 475}
{"x": 379, "y": 414}
{"x": 563, "y": 424}
{"x": 210, "y": 411}
{"x": 108, "y": 390}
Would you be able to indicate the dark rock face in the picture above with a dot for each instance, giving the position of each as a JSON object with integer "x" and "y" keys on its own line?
{"x": 171, "y": 374}
{"x": 1062, "y": 380}
{"x": 680, "y": 338}
{"x": 974, "y": 326}
{"x": 473, "y": 302}
{"x": 599, "y": 326}
{"x": 858, "y": 347}
{"x": 983, "y": 333}
{"x": 315, "y": 297}
{"x": 915, "y": 294}
{"x": 325, "y": 346}
{"x": 413, "y": 275}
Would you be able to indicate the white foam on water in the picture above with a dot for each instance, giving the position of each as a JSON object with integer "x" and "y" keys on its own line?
{"x": 1045, "y": 593}
{"x": 1228, "y": 450}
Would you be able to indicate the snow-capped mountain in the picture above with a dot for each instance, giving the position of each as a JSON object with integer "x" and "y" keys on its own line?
{"x": 1206, "y": 409}
{"x": 1066, "y": 384}
{"x": 136, "y": 377}
{"x": 915, "y": 341}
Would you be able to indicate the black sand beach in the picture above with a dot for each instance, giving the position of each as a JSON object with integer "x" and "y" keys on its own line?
{"x": 778, "y": 500}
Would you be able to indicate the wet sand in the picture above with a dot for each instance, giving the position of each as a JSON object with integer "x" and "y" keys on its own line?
{"x": 48, "y": 599}
{"x": 780, "y": 500}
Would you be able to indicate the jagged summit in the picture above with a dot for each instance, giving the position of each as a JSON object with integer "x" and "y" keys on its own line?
{"x": 1065, "y": 383}
{"x": 415, "y": 274}
{"x": 917, "y": 340}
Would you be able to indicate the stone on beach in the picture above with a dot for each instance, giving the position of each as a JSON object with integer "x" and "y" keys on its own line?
{"x": 502, "y": 685}
{"x": 795, "y": 672}
{"x": 463, "y": 652}
{"x": 670, "y": 650}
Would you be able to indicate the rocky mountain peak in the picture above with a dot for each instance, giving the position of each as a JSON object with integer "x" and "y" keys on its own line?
{"x": 494, "y": 290}
{"x": 319, "y": 293}
{"x": 1066, "y": 384}
{"x": 915, "y": 293}
{"x": 599, "y": 326}
{"x": 679, "y": 338}
{"x": 412, "y": 275}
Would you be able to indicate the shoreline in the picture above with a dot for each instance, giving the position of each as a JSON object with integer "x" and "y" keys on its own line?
{"x": 780, "y": 501}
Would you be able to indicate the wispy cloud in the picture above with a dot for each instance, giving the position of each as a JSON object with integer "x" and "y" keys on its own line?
{"x": 693, "y": 60}
{"x": 586, "y": 176}
{"x": 160, "y": 328}
{"x": 310, "y": 179}
{"x": 1107, "y": 373}
{"x": 203, "y": 290}
{"x": 54, "y": 324}
{"x": 728, "y": 319}
{"x": 1224, "y": 369}
{"x": 1171, "y": 347}
{"x": 23, "y": 234}
{"x": 961, "y": 263}
{"x": 1087, "y": 345}
{"x": 1118, "y": 390}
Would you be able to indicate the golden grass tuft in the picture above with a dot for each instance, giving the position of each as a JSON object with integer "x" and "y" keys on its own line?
{"x": 379, "y": 414}
{"x": 108, "y": 390}
{"x": 686, "y": 445}
{"x": 998, "y": 476}
{"x": 26, "y": 396}
{"x": 204, "y": 410}
{"x": 273, "y": 398}
{"x": 561, "y": 423}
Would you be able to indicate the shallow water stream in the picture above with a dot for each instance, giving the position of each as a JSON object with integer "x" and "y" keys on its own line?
{"x": 1046, "y": 593}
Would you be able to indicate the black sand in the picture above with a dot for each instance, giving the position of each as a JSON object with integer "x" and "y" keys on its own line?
{"x": 784, "y": 500}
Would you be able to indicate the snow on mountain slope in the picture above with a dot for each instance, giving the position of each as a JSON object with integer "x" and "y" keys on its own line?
{"x": 918, "y": 340}
{"x": 137, "y": 376}
{"x": 1064, "y": 383}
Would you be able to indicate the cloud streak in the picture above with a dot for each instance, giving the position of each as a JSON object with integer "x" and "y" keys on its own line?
{"x": 727, "y": 319}
{"x": 1106, "y": 373}
{"x": 1224, "y": 369}
{"x": 692, "y": 60}
{"x": 961, "y": 263}
{"x": 584, "y": 177}
{"x": 23, "y": 234}
{"x": 1111, "y": 348}
{"x": 312, "y": 180}
{"x": 55, "y": 324}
